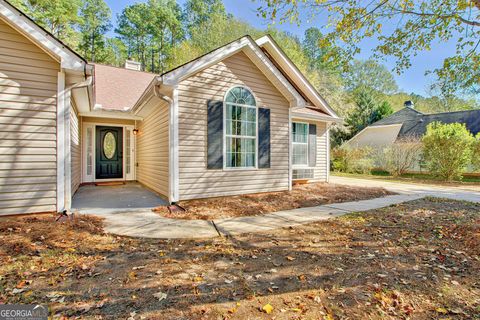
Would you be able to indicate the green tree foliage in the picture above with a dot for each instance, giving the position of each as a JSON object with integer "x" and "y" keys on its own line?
{"x": 115, "y": 52}
{"x": 161, "y": 35}
{"x": 60, "y": 17}
{"x": 199, "y": 14}
{"x": 433, "y": 104}
{"x": 367, "y": 110}
{"x": 370, "y": 74}
{"x": 95, "y": 22}
{"x": 447, "y": 149}
{"x": 150, "y": 31}
{"x": 404, "y": 28}
{"x": 476, "y": 153}
{"x": 383, "y": 109}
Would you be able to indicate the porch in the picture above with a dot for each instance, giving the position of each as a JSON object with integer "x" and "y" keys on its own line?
{"x": 105, "y": 200}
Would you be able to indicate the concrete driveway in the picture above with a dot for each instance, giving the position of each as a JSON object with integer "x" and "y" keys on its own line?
{"x": 466, "y": 193}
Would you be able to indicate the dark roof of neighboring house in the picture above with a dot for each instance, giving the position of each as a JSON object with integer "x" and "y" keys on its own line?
{"x": 415, "y": 123}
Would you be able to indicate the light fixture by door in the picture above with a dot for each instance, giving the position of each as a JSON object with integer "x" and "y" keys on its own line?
{"x": 135, "y": 132}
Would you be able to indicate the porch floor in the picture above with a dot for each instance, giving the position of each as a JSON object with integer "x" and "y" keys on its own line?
{"x": 100, "y": 200}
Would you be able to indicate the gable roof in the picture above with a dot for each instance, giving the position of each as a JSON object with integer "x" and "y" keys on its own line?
{"x": 289, "y": 87}
{"x": 302, "y": 84}
{"x": 68, "y": 58}
{"x": 252, "y": 50}
{"x": 119, "y": 88}
{"x": 414, "y": 123}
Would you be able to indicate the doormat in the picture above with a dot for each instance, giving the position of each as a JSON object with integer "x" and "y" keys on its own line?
{"x": 111, "y": 183}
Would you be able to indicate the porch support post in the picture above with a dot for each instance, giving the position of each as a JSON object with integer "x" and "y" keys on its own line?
{"x": 61, "y": 111}
{"x": 173, "y": 150}
{"x": 328, "y": 151}
{"x": 68, "y": 153}
{"x": 290, "y": 150}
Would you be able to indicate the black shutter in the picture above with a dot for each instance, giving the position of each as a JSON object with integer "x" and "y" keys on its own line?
{"x": 312, "y": 145}
{"x": 263, "y": 138}
{"x": 215, "y": 134}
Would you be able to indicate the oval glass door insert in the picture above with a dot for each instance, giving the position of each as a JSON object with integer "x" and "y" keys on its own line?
{"x": 109, "y": 145}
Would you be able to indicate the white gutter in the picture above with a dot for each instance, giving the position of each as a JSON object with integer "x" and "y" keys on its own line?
{"x": 173, "y": 181}
{"x": 65, "y": 172}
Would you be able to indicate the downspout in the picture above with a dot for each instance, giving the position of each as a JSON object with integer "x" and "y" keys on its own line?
{"x": 173, "y": 170}
{"x": 68, "y": 155}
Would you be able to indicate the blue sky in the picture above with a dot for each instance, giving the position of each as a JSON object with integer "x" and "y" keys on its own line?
{"x": 412, "y": 80}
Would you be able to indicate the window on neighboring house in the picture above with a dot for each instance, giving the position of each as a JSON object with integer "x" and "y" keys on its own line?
{"x": 240, "y": 129}
{"x": 300, "y": 143}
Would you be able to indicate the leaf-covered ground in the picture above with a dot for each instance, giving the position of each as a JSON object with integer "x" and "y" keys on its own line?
{"x": 419, "y": 260}
{"x": 301, "y": 196}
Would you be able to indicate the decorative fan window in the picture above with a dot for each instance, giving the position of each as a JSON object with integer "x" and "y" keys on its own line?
{"x": 240, "y": 129}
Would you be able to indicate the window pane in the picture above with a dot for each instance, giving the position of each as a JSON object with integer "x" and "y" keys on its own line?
{"x": 300, "y": 132}
{"x": 240, "y": 152}
{"x": 251, "y": 114}
{"x": 300, "y": 151}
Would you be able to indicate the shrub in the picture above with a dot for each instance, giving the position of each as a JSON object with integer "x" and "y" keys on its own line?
{"x": 447, "y": 149}
{"x": 476, "y": 153}
{"x": 352, "y": 160}
{"x": 401, "y": 156}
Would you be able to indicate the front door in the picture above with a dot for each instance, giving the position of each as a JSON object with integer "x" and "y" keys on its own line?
{"x": 109, "y": 153}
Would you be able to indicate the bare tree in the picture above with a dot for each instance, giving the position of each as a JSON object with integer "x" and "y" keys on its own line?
{"x": 401, "y": 156}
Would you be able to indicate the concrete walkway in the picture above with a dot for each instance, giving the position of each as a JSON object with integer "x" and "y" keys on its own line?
{"x": 147, "y": 224}
{"x": 142, "y": 222}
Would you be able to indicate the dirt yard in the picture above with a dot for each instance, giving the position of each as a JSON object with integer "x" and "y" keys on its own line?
{"x": 419, "y": 260}
{"x": 307, "y": 195}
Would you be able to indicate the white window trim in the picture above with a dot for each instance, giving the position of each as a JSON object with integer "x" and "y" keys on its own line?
{"x": 301, "y": 166}
{"x": 225, "y": 168}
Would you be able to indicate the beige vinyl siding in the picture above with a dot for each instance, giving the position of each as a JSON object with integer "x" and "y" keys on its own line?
{"x": 195, "y": 181}
{"x": 28, "y": 88}
{"x": 152, "y": 149}
{"x": 76, "y": 153}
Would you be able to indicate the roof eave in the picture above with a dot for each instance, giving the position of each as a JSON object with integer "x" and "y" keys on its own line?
{"x": 22, "y": 23}
{"x": 268, "y": 43}
{"x": 319, "y": 117}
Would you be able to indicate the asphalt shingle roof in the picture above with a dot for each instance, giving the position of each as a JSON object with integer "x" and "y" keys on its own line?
{"x": 415, "y": 123}
{"x": 119, "y": 88}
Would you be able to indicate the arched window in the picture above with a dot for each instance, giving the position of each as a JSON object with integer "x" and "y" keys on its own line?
{"x": 240, "y": 129}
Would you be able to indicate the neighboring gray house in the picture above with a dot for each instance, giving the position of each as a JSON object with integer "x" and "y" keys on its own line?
{"x": 409, "y": 122}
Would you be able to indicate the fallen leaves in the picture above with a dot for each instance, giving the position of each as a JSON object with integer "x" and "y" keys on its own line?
{"x": 160, "y": 296}
{"x": 267, "y": 308}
